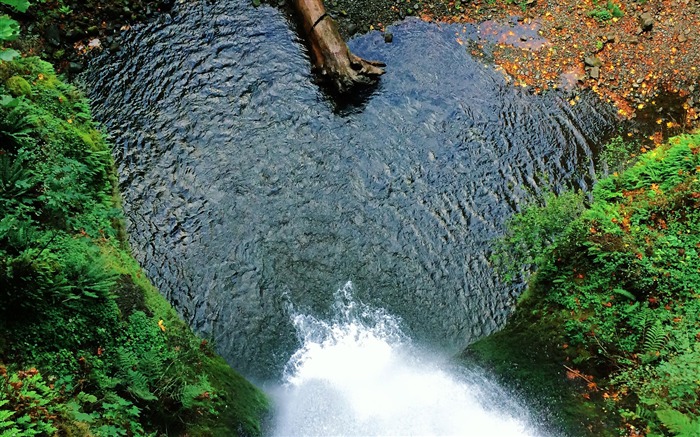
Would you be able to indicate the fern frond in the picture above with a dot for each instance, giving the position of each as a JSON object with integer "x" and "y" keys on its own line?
{"x": 654, "y": 338}
{"x": 678, "y": 423}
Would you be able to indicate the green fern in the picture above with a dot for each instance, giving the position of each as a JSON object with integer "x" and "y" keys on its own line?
{"x": 193, "y": 395}
{"x": 17, "y": 128}
{"x": 4, "y": 416}
{"x": 14, "y": 178}
{"x": 679, "y": 424}
{"x": 654, "y": 338}
{"x": 137, "y": 385}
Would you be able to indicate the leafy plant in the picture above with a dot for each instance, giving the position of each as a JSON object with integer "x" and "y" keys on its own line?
{"x": 617, "y": 155}
{"x": 678, "y": 423}
{"x": 654, "y": 338}
{"x": 31, "y": 402}
{"x": 607, "y": 12}
{"x": 620, "y": 282}
{"x": 533, "y": 231}
{"x": 9, "y": 28}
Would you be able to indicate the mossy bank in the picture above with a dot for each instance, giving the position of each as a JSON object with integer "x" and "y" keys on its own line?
{"x": 608, "y": 333}
{"x": 87, "y": 345}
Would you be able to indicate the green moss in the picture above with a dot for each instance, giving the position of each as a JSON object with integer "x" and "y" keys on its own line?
{"x": 617, "y": 291}
{"x": 75, "y": 304}
{"x": 239, "y": 405}
{"x": 18, "y": 86}
{"x": 527, "y": 357}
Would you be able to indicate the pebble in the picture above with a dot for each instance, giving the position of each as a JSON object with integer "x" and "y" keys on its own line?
{"x": 646, "y": 21}
{"x": 592, "y": 61}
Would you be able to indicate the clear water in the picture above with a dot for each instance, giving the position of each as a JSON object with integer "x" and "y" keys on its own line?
{"x": 246, "y": 189}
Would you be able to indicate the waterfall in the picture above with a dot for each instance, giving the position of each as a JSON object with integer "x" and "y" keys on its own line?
{"x": 360, "y": 374}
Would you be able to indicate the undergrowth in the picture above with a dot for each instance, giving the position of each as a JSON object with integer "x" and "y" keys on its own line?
{"x": 87, "y": 345}
{"x": 618, "y": 284}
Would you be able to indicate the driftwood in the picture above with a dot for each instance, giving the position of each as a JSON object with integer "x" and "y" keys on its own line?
{"x": 330, "y": 55}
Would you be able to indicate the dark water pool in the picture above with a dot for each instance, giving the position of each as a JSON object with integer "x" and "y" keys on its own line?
{"x": 246, "y": 191}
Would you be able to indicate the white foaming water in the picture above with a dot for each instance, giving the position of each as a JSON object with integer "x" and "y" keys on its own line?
{"x": 358, "y": 374}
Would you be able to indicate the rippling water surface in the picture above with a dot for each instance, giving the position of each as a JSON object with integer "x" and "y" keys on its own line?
{"x": 246, "y": 189}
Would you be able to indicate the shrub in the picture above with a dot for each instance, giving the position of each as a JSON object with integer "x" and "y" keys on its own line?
{"x": 622, "y": 281}
{"x": 607, "y": 12}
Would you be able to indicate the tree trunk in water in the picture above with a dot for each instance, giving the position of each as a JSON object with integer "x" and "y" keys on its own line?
{"x": 329, "y": 53}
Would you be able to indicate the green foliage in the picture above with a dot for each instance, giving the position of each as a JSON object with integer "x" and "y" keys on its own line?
{"x": 9, "y": 28}
{"x": 617, "y": 154}
{"x": 533, "y": 231}
{"x": 654, "y": 338}
{"x": 74, "y": 304}
{"x": 27, "y": 404}
{"x": 622, "y": 280}
{"x": 679, "y": 424}
{"x": 18, "y": 86}
{"x": 20, "y": 5}
{"x": 606, "y": 12}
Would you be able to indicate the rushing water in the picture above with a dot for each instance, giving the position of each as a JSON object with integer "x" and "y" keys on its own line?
{"x": 247, "y": 190}
{"x": 357, "y": 373}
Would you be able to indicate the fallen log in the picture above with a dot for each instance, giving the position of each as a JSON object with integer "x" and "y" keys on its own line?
{"x": 330, "y": 55}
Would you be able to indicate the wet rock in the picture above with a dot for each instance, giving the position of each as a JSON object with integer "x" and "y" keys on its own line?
{"x": 53, "y": 35}
{"x": 646, "y": 21}
{"x": 388, "y": 37}
{"x": 593, "y": 61}
{"x": 75, "y": 67}
{"x": 18, "y": 86}
{"x": 594, "y": 73}
{"x": 75, "y": 33}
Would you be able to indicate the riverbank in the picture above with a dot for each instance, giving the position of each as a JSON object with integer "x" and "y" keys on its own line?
{"x": 88, "y": 345}
{"x": 641, "y": 56}
{"x": 64, "y": 32}
{"x": 608, "y": 332}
